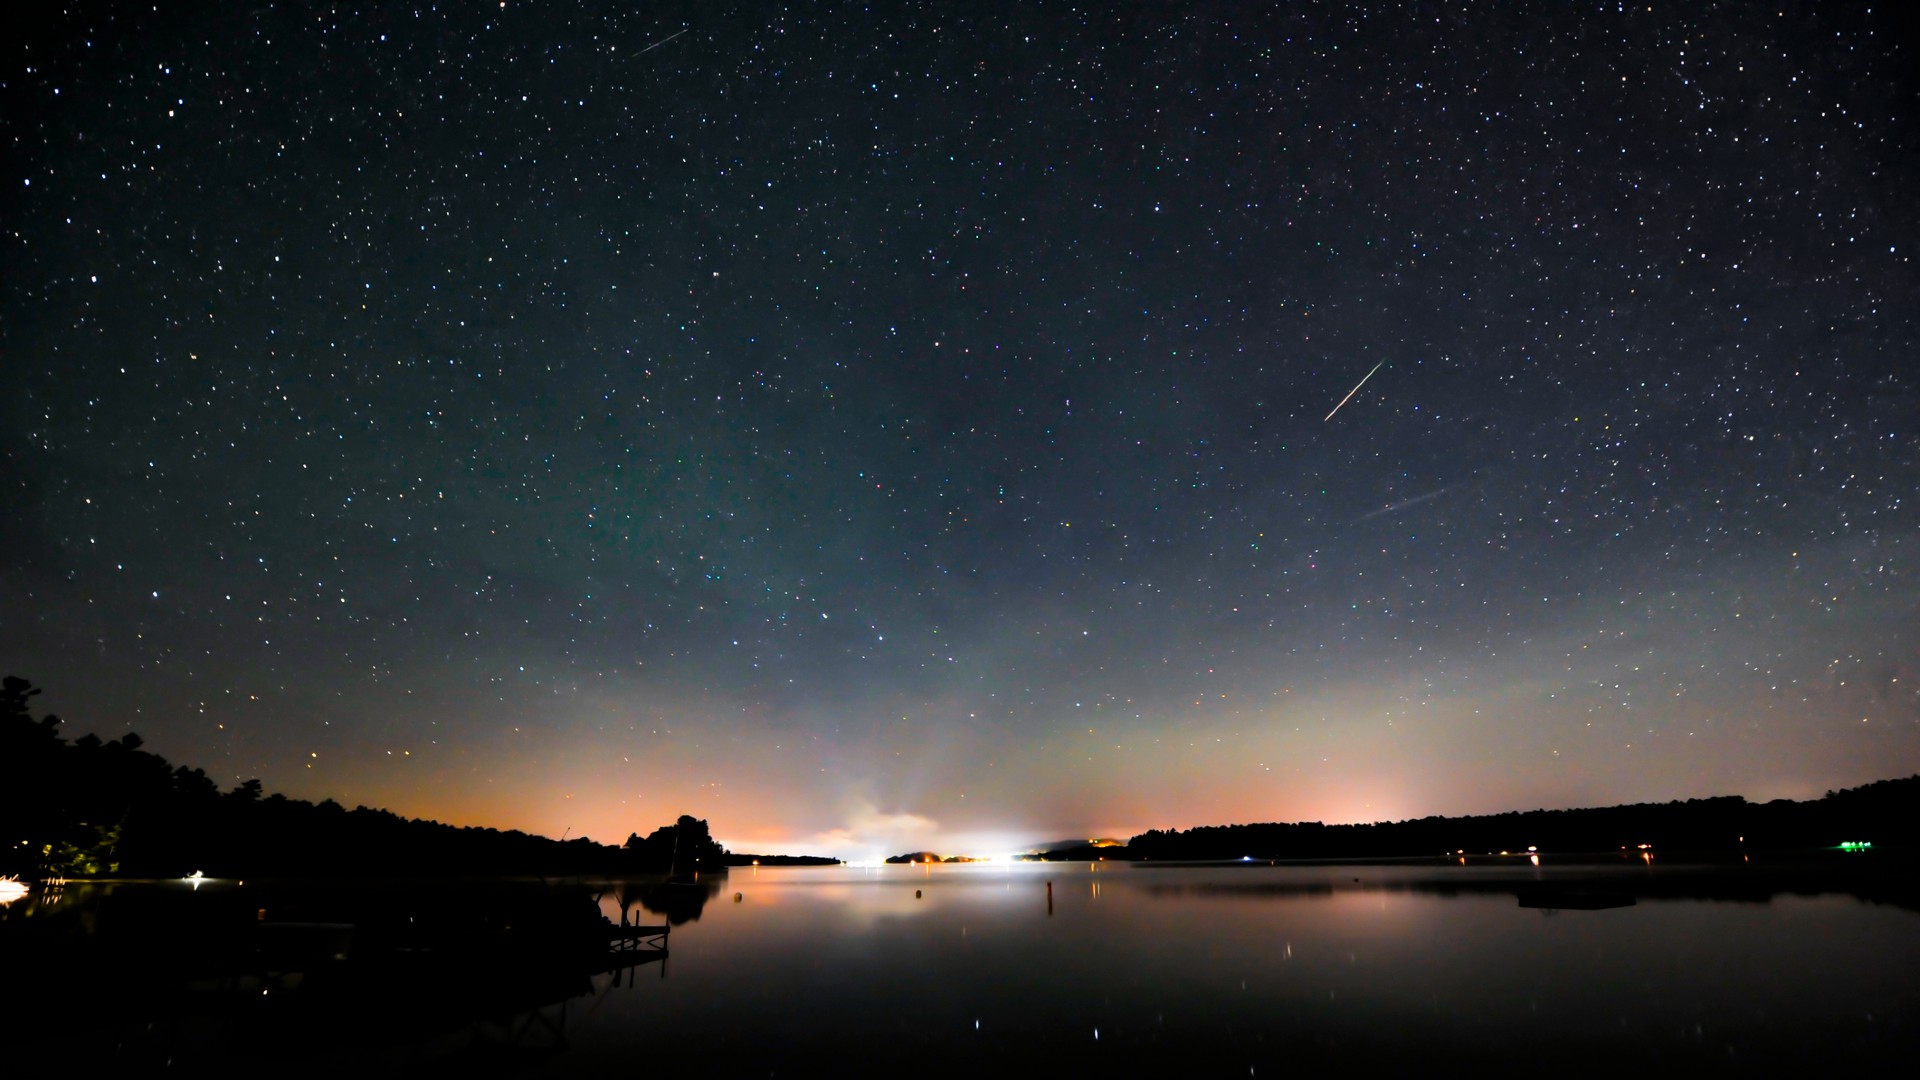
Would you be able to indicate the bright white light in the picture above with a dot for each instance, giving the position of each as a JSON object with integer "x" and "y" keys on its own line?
{"x": 11, "y": 890}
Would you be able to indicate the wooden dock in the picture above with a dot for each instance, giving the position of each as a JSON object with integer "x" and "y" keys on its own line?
{"x": 633, "y": 936}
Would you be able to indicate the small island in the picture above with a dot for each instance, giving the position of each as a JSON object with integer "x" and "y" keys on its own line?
{"x": 923, "y": 857}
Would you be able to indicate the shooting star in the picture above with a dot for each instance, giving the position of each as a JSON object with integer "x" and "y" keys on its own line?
{"x": 1355, "y": 390}
{"x": 1404, "y": 503}
{"x": 662, "y": 41}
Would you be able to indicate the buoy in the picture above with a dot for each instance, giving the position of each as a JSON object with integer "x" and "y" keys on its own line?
{"x": 916, "y": 894}
{"x": 736, "y": 898}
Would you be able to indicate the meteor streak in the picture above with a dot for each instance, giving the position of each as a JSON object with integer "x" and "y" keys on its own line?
{"x": 1355, "y": 390}
{"x": 1404, "y": 503}
{"x": 663, "y": 41}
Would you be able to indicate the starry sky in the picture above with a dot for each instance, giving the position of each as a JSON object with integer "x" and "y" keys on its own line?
{"x": 914, "y": 425}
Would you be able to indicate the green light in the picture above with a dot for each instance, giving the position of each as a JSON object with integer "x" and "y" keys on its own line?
{"x": 1855, "y": 845}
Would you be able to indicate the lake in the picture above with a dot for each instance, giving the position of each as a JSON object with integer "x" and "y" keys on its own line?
{"x": 1110, "y": 967}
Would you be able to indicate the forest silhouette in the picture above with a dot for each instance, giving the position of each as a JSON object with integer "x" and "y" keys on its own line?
{"x": 90, "y": 808}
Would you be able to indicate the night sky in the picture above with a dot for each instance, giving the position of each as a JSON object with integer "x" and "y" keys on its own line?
{"x": 873, "y": 428}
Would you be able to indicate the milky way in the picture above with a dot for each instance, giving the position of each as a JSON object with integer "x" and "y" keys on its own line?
{"x": 880, "y": 428}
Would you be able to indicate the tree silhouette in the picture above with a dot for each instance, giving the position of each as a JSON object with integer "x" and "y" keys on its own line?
{"x": 94, "y": 807}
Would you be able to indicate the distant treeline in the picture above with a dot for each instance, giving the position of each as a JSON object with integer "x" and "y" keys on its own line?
{"x": 781, "y": 860}
{"x": 91, "y": 808}
{"x": 1886, "y": 814}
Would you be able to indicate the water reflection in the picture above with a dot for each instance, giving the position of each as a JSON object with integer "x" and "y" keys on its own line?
{"x": 201, "y": 971}
{"x": 1220, "y": 970}
{"x": 978, "y": 968}
{"x": 1742, "y": 881}
{"x": 679, "y": 901}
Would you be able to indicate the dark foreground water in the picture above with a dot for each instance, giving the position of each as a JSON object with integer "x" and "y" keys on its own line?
{"x": 976, "y": 969}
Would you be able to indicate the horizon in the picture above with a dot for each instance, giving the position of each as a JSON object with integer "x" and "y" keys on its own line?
{"x": 937, "y": 427}
{"x": 1000, "y": 846}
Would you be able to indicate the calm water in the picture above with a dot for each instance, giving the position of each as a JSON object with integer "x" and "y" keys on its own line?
{"x": 1226, "y": 969}
{"x": 1217, "y": 971}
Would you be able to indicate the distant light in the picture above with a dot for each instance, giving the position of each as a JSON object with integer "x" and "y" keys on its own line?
{"x": 1243, "y": 858}
{"x": 1855, "y": 845}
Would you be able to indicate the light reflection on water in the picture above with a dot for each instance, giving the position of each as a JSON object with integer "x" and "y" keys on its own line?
{"x": 1220, "y": 965}
{"x": 1009, "y": 969}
